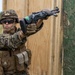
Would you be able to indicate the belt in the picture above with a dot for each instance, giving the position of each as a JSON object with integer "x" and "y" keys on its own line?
{"x": 5, "y": 49}
{"x": 17, "y": 73}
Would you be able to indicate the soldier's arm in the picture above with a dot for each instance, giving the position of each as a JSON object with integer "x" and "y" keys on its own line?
{"x": 32, "y": 23}
{"x": 32, "y": 28}
{"x": 19, "y": 38}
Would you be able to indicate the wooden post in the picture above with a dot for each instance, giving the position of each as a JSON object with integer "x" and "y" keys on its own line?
{"x": 4, "y": 4}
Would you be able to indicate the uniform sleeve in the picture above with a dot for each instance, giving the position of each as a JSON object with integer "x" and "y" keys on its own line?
{"x": 32, "y": 29}
{"x": 11, "y": 41}
{"x": 1, "y": 41}
{"x": 15, "y": 40}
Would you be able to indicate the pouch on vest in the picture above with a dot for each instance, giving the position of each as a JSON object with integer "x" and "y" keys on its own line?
{"x": 19, "y": 62}
{"x": 23, "y": 59}
{"x": 27, "y": 57}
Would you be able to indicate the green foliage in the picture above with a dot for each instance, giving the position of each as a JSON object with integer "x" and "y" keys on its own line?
{"x": 69, "y": 38}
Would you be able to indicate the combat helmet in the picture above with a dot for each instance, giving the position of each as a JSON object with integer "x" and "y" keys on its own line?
{"x": 9, "y": 14}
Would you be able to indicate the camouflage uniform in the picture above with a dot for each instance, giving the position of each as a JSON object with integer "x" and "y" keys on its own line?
{"x": 14, "y": 57}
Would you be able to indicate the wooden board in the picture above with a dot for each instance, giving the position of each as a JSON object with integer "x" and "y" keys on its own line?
{"x": 46, "y": 44}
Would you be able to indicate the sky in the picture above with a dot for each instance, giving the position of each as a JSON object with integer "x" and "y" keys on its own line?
{"x": 0, "y": 5}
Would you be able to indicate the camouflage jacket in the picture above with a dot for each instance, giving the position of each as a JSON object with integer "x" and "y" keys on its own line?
{"x": 14, "y": 56}
{"x": 8, "y": 41}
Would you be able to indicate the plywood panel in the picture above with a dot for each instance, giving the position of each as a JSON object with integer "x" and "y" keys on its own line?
{"x": 45, "y": 44}
{"x": 19, "y": 6}
{"x": 57, "y": 50}
{"x": 4, "y": 4}
{"x": 40, "y": 42}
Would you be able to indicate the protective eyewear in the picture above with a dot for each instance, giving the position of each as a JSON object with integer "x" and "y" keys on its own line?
{"x": 7, "y": 21}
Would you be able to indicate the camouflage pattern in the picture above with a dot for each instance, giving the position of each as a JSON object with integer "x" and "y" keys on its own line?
{"x": 15, "y": 58}
{"x": 9, "y": 14}
{"x": 11, "y": 47}
{"x": 33, "y": 28}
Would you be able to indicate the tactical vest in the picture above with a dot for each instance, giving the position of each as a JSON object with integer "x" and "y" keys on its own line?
{"x": 15, "y": 57}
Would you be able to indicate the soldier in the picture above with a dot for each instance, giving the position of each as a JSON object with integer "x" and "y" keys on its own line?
{"x": 15, "y": 58}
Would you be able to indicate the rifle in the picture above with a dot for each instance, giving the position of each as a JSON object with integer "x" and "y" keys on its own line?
{"x": 34, "y": 17}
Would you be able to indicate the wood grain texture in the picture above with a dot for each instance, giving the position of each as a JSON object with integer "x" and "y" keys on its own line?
{"x": 45, "y": 44}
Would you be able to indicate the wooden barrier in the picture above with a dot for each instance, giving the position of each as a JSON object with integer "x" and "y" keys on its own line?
{"x": 46, "y": 44}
